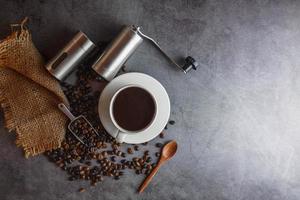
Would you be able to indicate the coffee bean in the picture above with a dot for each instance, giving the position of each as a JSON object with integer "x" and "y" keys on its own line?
{"x": 99, "y": 156}
{"x": 161, "y": 135}
{"x": 146, "y": 153}
{"x": 89, "y": 163}
{"x": 123, "y": 155}
{"x": 99, "y": 144}
{"x": 114, "y": 146}
{"x": 149, "y": 159}
{"x": 123, "y": 161}
{"x": 136, "y": 147}
{"x": 119, "y": 153}
{"x": 61, "y": 165}
{"x": 123, "y": 68}
{"x": 137, "y": 164}
{"x": 118, "y": 166}
{"x": 145, "y": 157}
{"x": 158, "y": 145}
{"x": 113, "y": 158}
{"x": 145, "y": 143}
{"x": 93, "y": 149}
{"x": 141, "y": 161}
{"x": 172, "y": 122}
{"x": 94, "y": 156}
{"x": 149, "y": 167}
{"x": 157, "y": 154}
{"x": 130, "y": 151}
{"x": 93, "y": 183}
{"x": 81, "y": 190}
{"x": 104, "y": 154}
{"x": 72, "y": 178}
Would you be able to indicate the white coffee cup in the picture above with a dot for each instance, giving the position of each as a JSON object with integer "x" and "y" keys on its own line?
{"x": 122, "y": 133}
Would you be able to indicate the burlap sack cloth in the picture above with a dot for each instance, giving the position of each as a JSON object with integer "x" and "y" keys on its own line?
{"x": 29, "y": 95}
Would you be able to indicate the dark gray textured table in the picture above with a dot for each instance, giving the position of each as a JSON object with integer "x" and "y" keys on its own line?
{"x": 238, "y": 116}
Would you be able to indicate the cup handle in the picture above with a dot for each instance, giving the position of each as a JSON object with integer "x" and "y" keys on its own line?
{"x": 121, "y": 136}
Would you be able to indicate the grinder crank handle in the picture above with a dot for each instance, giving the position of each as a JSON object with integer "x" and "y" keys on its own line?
{"x": 190, "y": 63}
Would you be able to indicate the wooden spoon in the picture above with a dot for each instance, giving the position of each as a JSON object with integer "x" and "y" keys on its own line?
{"x": 167, "y": 152}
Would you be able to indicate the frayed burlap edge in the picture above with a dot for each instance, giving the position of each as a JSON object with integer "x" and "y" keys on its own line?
{"x": 19, "y": 34}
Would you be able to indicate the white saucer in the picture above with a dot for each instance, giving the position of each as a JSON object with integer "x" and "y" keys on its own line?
{"x": 150, "y": 84}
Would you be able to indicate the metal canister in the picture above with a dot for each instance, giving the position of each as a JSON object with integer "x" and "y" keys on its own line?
{"x": 117, "y": 53}
{"x": 70, "y": 56}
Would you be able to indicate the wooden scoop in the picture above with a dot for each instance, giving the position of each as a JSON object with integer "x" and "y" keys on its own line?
{"x": 167, "y": 152}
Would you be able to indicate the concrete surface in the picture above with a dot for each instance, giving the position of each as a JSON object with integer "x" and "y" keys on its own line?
{"x": 238, "y": 116}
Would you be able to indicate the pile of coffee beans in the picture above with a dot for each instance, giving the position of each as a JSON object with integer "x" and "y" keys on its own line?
{"x": 100, "y": 156}
{"x": 82, "y": 130}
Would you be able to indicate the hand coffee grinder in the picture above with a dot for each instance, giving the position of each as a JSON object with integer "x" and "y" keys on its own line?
{"x": 123, "y": 46}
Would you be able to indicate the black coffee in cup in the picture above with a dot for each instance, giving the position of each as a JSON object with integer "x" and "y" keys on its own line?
{"x": 133, "y": 108}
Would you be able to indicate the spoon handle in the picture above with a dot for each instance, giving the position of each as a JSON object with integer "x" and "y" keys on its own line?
{"x": 149, "y": 177}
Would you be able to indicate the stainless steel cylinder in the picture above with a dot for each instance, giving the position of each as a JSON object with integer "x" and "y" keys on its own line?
{"x": 70, "y": 56}
{"x": 117, "y": 53}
